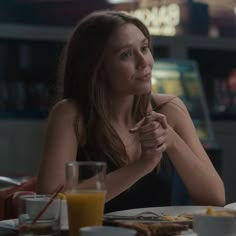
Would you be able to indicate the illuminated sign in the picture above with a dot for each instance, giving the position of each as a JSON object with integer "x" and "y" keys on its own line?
{"x": 161, "y": 20}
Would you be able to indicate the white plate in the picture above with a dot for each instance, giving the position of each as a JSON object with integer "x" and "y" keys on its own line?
{"x": 169, "y": 210}
{"x": 231, "y": 206}
{"x": 12, "y": 224}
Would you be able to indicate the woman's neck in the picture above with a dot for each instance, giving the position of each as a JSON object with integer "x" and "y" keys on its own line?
{"x": 121, "y": 111}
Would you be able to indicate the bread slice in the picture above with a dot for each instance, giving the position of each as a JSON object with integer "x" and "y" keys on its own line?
{"x": 157, "y": 229}
{"x": 166, "y": 229}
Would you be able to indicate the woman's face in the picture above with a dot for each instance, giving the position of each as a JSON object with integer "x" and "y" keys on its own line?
{"x": 128, "y": 61}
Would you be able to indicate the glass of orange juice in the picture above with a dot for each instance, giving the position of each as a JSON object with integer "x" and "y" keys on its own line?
{"x": 85, "y": 194}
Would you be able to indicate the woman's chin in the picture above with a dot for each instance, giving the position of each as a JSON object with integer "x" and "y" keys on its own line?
{"x": 143, "y": 90}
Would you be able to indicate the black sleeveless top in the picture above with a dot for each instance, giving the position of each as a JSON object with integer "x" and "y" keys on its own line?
{"x": 152, "y": 190}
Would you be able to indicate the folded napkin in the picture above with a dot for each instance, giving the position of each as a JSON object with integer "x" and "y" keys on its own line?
{"x": 9, "y": 224}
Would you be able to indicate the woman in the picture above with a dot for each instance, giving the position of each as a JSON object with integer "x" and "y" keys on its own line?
{"x": 107, "y": 113}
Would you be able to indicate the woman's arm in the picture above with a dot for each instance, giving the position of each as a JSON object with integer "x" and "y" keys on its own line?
{"x": 123, "y": 178}
{"x": 61, "y": 145}
{"x": 189, "y": 157}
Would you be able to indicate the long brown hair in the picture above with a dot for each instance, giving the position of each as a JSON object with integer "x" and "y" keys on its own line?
{"x": 82, "y": 80}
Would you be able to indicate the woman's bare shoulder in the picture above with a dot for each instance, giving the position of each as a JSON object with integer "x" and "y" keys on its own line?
{"x": 171, "y": 106}
{"x": 163, "y": 99}
{"x": 64, "y": 109}
{"x": 168, "y": 101}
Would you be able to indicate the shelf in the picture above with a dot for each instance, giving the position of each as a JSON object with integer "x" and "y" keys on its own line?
{"x": 60, "y": 34}
{"x": 32, "y": 32}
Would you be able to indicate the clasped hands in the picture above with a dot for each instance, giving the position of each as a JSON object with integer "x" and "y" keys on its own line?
{"x": 154, "y": 135}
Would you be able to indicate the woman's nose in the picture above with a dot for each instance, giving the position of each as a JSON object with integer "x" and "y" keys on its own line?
{"x": 140, "y": 60}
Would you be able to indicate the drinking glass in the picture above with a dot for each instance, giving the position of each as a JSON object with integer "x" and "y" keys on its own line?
{"x": 85, "y": 193}
{"x": 29, "y": 207}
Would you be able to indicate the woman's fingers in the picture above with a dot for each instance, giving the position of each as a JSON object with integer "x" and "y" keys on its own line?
{"x": 155, "y": 150}
{"x": 150, "y": 126}
{"x": 137, "y": 126}
{"x": 154, "y": 134}
{"x": 152, "y": 131}
{"x": 154, "y": 116}
{"x": 161, "y": 148}
{"x": 156, "y": 140}
{"x": 151, "y": 144}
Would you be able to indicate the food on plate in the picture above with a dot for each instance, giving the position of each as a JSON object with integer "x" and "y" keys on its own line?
{"x": 157, "y": 229}
{"x": 182, "y": 217}
{"x": 211, "y": 212}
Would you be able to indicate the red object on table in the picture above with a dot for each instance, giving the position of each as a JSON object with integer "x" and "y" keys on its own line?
{"x": 9, "y": 198}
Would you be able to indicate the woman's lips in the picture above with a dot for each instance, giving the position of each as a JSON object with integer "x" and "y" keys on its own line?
{"x": 145, "y": 77}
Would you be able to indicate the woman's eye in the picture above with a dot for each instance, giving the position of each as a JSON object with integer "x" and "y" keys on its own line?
{"x": 126, "y": 54}
{"x": 145, "y": 48}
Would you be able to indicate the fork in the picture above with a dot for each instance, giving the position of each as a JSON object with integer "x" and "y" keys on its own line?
{"x": 145, "y": 215}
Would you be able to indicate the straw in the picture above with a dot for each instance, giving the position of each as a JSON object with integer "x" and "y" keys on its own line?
{"x": 47, "y": 205}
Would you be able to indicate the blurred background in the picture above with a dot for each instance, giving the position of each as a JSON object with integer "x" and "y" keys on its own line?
{"x": 194, "y": 46}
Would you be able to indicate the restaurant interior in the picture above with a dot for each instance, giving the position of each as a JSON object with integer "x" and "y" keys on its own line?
{"x": 194, "y": 47}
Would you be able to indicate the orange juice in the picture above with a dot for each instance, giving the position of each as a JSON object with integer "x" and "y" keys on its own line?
{"x": 85, "y": 208}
